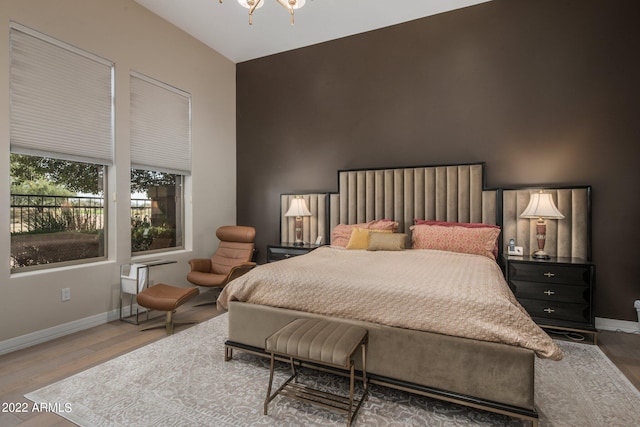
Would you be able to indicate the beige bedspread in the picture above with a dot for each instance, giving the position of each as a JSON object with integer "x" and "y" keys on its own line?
{"x": 444, "y": 292}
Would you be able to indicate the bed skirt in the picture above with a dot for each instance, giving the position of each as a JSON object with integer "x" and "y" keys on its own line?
{"x": 492, "y": 376}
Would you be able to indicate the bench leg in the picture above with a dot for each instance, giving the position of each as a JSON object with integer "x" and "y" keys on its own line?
{"x": 365, "y": 382}
{"x": 268, "y": 398}
{"x": 365, "y": 393}
{"x": 352, "y": 375}
{"x": 294, "y": 373}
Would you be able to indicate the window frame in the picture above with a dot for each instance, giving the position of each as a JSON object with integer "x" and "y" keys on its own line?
{"x": 65, "y": 102}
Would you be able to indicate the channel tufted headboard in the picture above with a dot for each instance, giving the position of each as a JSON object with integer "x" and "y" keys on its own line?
{"x": 569, "y": 237}
{"x": 442, "y": 193}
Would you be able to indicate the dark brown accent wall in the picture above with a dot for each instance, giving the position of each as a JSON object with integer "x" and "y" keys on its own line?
{"x": 544, "y": 92}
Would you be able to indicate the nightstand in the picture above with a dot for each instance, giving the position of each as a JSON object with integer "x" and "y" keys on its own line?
{"x": 557, "y": 293}
{"x": 288, "y": 250}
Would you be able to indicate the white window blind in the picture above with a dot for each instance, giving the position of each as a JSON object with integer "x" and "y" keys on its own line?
{"x": 160, "y": 126}
{"x": 61, "y": 99}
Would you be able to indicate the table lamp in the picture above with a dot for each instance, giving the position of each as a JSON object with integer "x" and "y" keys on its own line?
{"x": 541, "y": 206}
{"x": 298, "y": 209}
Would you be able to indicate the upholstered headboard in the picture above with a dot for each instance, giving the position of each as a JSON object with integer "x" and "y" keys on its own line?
{"x": 312, "y": 226}
{"x": 442, "y": 193}
{"x": 569, "y": 237}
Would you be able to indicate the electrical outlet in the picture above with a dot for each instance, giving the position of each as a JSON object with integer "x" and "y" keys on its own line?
{"x": 66, "y": 294}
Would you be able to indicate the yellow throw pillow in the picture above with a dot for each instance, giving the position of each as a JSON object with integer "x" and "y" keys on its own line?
{"x": 360, "y": 238}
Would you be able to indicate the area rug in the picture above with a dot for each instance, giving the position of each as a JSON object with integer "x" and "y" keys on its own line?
{"x": 183, "y": 380}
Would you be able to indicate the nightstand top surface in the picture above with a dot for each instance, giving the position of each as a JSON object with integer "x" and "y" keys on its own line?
{"x": 553, "y": 260}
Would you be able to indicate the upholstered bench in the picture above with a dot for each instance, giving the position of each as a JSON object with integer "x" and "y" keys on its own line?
{"x": 324, "y": 343}
{"x": 167, "y": 298}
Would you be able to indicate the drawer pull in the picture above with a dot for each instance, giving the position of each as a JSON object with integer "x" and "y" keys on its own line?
{"x": 549, "y": 293}
{"x": 549, "y": 274}
{"x": 288, "y": 255}
{"x": 549, "y": 310}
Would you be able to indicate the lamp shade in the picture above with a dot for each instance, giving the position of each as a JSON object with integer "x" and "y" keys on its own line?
{"x": 298, "y": 207}
{"x": 541, "y": 206}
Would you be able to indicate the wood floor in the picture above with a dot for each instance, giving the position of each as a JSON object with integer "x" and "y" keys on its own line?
{"x": 624, "y": 350}
{"x": 35, "y": 367}
{"x": 32, "y": 368}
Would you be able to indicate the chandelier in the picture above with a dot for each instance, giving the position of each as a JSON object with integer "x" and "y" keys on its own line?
{"x": 252, "y": 5}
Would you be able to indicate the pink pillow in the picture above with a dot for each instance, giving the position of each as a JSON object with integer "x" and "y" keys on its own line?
{"x": 460, "y": 224}
{"x": 453, "y": 238}
{"x": 342, "y": 232}
{"x": 451, "y": 224}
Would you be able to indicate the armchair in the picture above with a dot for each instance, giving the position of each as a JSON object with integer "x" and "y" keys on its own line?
{"x": 231, "y": 260}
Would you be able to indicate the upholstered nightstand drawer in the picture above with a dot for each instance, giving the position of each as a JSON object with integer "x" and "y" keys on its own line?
{"x": 550, "y": 291}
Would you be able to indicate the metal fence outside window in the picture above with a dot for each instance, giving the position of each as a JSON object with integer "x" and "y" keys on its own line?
{"x": 30, "y": 213}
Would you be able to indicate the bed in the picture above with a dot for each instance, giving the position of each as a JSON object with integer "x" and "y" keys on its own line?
{"x": 483, "y": 360}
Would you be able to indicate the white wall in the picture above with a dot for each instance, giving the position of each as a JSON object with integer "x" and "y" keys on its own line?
{"x": 134, "y": 39}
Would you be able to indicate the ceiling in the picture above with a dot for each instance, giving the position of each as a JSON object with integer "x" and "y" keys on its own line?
{"x": 225, "y": 27}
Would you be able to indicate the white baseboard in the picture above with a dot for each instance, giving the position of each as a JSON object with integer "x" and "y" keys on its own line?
{"x": 44, "y": 335}
{"x": 617, "y": 325}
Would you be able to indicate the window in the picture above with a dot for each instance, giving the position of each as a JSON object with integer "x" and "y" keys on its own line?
{"x": 61, "y": 130}
{"x": 57, "y": 211}
{"x": 156, "y": 211}
{"x": 160, "y": 160}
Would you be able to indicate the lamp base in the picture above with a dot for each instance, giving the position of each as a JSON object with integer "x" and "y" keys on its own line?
{"x": 540, "y": 255}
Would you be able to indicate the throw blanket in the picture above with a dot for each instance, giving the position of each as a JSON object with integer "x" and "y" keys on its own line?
{"x": 444, "y": 292}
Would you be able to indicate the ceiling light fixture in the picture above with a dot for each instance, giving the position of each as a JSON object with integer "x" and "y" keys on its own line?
{"x": 252, "y": 5}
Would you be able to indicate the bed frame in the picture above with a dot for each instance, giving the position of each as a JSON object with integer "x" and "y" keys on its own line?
{"x": 485, "y": 375}
{"x": 490, "y": 376}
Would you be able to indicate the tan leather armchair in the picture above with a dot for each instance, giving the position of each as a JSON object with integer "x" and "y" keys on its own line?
{"x": 231, "y": 260}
